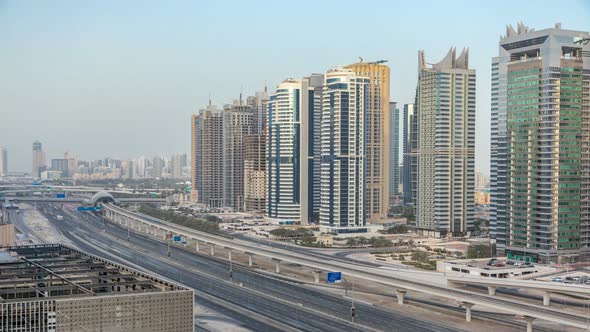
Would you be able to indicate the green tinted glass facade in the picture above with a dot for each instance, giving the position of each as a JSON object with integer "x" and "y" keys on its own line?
{"x": 544, "y": 122}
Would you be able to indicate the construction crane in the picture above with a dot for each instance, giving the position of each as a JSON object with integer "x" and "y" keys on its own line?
{"x": 373, "y": 62}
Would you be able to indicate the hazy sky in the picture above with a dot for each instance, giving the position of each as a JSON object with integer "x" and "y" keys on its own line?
{"x": 121, "y": 78}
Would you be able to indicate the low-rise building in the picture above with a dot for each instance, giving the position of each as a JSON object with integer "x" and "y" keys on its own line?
{"x": 325, "y": 240}
{"x": 483, "y": 268}
{"x": 7, "y": 235}
{"x": 56, "y": 288}
{"x": 482, "y": 197}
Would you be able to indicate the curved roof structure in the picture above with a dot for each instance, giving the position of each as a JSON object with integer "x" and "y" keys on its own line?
{"x": 101, "y": 197}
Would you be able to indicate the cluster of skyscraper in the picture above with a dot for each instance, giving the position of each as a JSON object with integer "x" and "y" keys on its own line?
{"x": 540, "y": 153}
{"x": 175, "y": 167}
{"x": 327, "y": 147}
{"x": 229, "y": 154}
{"x": 326, "y": 150}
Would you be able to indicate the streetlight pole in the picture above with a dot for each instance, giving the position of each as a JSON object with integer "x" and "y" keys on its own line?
{"x": 231, "y": 272}
{"x": 352, "y": 308}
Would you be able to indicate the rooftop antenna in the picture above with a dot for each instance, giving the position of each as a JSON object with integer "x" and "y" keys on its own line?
{"x": 265, "y": 87}
{"x": 209, "y": 98}
{"x": 360, "y": 59}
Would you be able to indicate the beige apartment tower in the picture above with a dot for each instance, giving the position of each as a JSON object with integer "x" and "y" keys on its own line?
{"x": 195, "y": 151}
{"x": 238, "y": 121}
{"x": 446, "y": 145}
{"x": 38, "y": 159}
{"x": 376, "y": 149}
{"x": 207, "y": 157}
{"x": 255, "y": 173}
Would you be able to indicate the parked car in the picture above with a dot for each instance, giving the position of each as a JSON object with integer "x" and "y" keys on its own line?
{"x": 556, "y": 279}
{"x": 492, "y": 261}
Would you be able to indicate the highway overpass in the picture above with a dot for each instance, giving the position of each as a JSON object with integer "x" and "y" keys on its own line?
{"x": 401, "y": 284}
{"x": 98, "y": 197}
{"x": 547, "y": 288}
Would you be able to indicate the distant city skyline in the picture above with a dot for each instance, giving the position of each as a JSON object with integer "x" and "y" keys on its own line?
{"x": 93, "y": 80}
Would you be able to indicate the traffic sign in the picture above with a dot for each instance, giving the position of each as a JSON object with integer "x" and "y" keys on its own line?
{"x": 88, "y": 208}
{"x": 177, "y": 238}
{"x": 334, "y": 277}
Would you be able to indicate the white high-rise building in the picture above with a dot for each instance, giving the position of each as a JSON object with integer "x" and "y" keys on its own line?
{"x": 293, "y": 144}
{"x": 446, "y": 145}
{"x": 342, "y": 151}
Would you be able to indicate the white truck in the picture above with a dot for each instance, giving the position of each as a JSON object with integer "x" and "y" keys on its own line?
{"x": 60, "y": 217}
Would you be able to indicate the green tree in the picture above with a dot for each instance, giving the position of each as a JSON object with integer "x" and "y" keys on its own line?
{"x": 420, "y": 256}
{"x": 479, "y": 250}
{"x": 380, "y": 242}
{"x": 397, "y": 229}
{"x": 351, "y": 242}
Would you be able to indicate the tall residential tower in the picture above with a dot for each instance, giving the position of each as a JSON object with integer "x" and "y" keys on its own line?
{"x": 376, "y": 145}
{"x": 446, "y": 144}
{"x": 343, "y": 139}
{"x": 393, "y": 152}
{"x": 38, "y": 159}
{"x": 238, "y": 121}
{"x": 3, "y": 161}
{"x": 207, "y": 157}
{"x": 293, "y": 148}
{"x": 410, "y": 147}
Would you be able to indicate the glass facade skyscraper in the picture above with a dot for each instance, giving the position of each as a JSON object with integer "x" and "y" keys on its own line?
{"x": 541, "y": 207}
{"x": 410, "y": 146}
{"x": 394, "y": 174}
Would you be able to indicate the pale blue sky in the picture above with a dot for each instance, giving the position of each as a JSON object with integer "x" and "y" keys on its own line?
{"x": 121, "y": 78}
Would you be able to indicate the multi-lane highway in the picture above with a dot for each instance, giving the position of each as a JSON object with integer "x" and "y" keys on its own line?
{"x": 283, "y": 304}
{"x": 404, "y": 280}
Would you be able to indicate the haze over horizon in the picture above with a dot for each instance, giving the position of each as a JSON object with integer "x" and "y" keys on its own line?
{"x": 115, "y": 79}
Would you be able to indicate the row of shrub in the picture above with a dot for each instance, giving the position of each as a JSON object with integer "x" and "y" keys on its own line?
{"x": 203, "y": 225}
